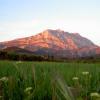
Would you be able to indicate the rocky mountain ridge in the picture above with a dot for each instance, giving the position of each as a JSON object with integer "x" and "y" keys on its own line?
{"x": 56, "y": 43}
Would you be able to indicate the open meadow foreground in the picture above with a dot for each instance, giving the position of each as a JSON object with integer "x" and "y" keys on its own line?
{"x": 49, "y": 81}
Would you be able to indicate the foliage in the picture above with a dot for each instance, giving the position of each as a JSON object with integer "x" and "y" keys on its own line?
{"x": 49, "y": 81}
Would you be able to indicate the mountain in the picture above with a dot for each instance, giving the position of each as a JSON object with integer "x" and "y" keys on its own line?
{"x": 15, "y": 49}
{"x": 57, "y": 43}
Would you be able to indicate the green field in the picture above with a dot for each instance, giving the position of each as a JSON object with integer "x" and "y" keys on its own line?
{"x": 49, "y": 81}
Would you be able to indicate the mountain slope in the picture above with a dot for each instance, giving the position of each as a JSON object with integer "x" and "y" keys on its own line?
{"x": 55, "y": 42}
{"x": 17, "y": 50}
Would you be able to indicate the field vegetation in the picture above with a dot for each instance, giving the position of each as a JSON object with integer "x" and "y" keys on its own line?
{"x": 21, "y": 80}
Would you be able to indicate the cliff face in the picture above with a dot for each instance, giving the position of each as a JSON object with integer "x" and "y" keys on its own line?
{"x": 56, "y": 42}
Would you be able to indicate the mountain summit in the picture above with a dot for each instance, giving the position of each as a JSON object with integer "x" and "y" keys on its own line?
{"x": 55, "y": 42}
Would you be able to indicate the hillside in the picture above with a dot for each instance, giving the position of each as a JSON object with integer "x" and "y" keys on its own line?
{"x": 56, "y": 43}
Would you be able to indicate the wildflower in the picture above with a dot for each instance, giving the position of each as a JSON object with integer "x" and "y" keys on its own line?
{"x": 27, "y": 90}
{"x": 85, "y": 73}
{"x": 75, "y": 78}
{"x": 95, "y": 94}
{"x": 4, "y": 79}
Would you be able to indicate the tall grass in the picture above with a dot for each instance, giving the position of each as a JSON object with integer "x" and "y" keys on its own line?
{"x": 49, "y": 81}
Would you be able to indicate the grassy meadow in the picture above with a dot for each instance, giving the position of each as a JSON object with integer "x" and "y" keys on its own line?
{"x": 49, "y": 81}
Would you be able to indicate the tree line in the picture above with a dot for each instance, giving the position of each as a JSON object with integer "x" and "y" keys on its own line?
{"x": 23, "y": 57}
{"x": 4, "y": 55}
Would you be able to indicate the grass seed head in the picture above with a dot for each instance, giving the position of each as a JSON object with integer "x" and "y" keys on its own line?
{"x": 18, "y": 62}
{"x": 95, "y": 94}
{"x": 1, "y": 97}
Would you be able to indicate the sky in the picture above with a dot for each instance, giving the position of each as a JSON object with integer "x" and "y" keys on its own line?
{"x": 22, "y": 18}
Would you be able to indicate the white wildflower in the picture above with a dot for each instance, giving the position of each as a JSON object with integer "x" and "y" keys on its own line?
{"x": 4, "y": 79}
{"x": 75, "y": 78}
{"x": 95, "y": 94}
{"x": 85, "y": 73}
{"x": 28, "y": 89}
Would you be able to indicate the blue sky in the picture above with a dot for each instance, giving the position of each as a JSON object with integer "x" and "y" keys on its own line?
{"x": 21, "y": 18}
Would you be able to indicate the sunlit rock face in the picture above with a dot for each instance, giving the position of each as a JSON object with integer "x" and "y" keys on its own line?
{"x": 56, "y": 42}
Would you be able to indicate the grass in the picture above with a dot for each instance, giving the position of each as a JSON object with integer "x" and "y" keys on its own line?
{"x": 49, "y": 81}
